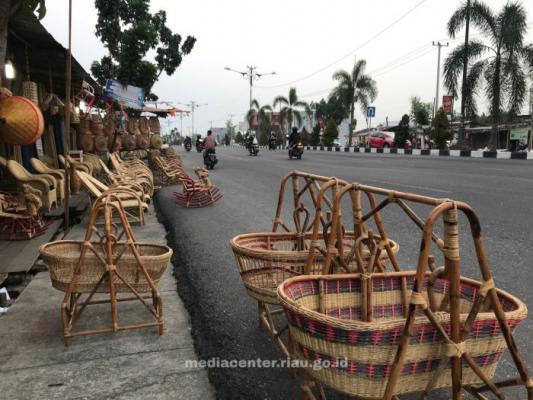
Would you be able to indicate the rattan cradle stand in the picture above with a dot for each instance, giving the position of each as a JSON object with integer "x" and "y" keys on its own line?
{"x": 404, "y": 332}
{"x": 267, "y": 259}
{"x": 107, "y": 263}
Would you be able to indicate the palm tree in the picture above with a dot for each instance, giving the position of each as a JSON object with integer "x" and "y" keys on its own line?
{"x": 498, "y": 63}
{"x": 353, "y": 88}
{"x": 292, "y": 109}
{"x": 262, "y": 113}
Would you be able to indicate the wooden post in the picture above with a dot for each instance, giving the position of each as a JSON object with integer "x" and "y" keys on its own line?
{"x": 66, "y": 133}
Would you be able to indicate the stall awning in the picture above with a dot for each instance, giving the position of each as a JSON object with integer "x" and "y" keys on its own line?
{"x": 46, "y": 56}
{"x": 168, "y": 111}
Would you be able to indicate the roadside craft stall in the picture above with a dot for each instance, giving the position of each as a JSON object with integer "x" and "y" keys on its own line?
{"x": 383, "y": 331}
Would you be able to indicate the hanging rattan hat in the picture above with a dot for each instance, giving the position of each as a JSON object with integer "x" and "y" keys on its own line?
{"x": 143, "y": 141}
{"x": 133, "y": 126}
{"x": 109, "y": 125}
{"x": 129, "y": 142}
{"x": 155, "y": 127}
{"x": 156, "y": 141}
{"x": 86, "y": 142}
{"x": 100, "y": 143}
{"x": 118, "y": 142}
{"x": 144, "y": 126}
{"x": 21, "y": 121}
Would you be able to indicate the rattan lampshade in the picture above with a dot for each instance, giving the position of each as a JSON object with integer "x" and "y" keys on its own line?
{"x": 21, "y": 121}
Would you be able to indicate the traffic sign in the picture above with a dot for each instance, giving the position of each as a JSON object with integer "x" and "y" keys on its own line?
{"x": 371, "y": 112}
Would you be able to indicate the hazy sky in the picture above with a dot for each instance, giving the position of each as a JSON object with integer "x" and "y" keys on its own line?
{"x": 295, "y": 38}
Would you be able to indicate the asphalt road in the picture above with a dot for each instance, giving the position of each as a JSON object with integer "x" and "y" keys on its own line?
{"x": 224, "y": 318}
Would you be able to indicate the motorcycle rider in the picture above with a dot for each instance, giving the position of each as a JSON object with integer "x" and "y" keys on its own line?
{"x": 209, "y": 144}
{"x": 294, "y": 137}
{"x": 187, "y": 141}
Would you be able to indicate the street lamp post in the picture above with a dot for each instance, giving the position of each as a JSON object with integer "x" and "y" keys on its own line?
{"x": 193, "y": 105}
{"x": 251, "y": 74}
{"x": 530, "y": 145}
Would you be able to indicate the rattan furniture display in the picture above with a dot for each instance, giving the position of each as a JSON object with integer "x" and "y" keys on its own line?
{"x": 384, "y": 334}
{"x": 108, "y": 267}
{"x": 44, "y": 183}
{"x": 131, "y": 200}
{"x": 267, "y": 259}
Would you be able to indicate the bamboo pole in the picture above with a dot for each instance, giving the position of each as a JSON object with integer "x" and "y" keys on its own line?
{"x": 66, "y": 133}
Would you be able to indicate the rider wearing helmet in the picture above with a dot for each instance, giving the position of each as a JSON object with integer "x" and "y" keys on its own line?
{"x": 294, "y": 137}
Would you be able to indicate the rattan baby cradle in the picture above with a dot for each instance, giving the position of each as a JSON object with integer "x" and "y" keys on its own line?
{"x": 386, "y": 334}
{"x": 108, "y": 262}
{"x": 266, "y": 259}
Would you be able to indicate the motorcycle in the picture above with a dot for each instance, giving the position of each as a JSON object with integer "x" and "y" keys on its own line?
{"x": 296, "y": 150}
{"x": 253, "y": 147}
{"x": 272, "y": 143}
{"x": 199, "y": 146}
{"x": 188, "y": 145}
{"x": 210, "y": 159}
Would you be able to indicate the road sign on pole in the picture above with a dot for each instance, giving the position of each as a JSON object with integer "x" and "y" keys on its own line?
{"x": 371, "y": 112}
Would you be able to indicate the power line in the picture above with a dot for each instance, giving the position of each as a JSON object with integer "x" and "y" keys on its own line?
{"x": 384, "y": 69}
{"x": 375, "y": 36}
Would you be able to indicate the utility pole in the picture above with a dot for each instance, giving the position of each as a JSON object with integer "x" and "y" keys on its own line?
{"x": 250, "y": 74}
{"x": 211, "y": 123}
{"x": 435, "y": 109}
{"x": 530, "y": 146}
{"x": 193, "y": 105}
{"x": 465, "y": 70}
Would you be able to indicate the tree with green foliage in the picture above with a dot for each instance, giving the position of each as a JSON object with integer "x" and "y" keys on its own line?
{"x": 403, "y": 134}
{"x": 331, "y": 133}
{"x": 129, "y": 31}
{"x": 239, "y": 138}
{"x": 305, "y": 136}
{"x": 265, "y": 127}
{"x": 332, "y": 108}
{"x": 315, "y": 136}
{"x": 500, "y": 61}
{"x": 420, "y": 111}
{"x": 173, "y": 137}
{"x": 281, "y": 138}
{"x": 261, "y": 113}
{"x": 353, "y": 88}
{"x": 440, "y": 129}
{"x": 292, "y": 109}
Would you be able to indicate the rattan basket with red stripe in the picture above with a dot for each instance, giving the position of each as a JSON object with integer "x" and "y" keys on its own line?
{"x": 355, "y": 357}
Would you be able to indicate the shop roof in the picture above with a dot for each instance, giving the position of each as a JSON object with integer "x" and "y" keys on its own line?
{"x": 46, "y": 55}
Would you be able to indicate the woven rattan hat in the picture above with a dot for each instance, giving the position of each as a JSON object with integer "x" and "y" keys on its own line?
{"x": 156, "y": 141}
{"x": 24, "y": 122}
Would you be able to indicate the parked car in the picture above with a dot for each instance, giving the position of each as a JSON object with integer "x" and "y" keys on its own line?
{"x": 384, "y": 140}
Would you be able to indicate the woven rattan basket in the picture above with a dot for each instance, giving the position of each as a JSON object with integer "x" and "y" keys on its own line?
{"x": 267, "y": 259}
{"x": 30, "y": 91}
{"x": 61, "y": 257}
{"x": 355, "y": 357}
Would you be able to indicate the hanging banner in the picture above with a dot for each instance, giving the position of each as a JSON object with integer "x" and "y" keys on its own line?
{"x": 129, "y": 96}
{"x": 447, "y": 104}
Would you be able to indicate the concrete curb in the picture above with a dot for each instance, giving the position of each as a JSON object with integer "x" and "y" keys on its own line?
{"x": 499, "y": 155}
